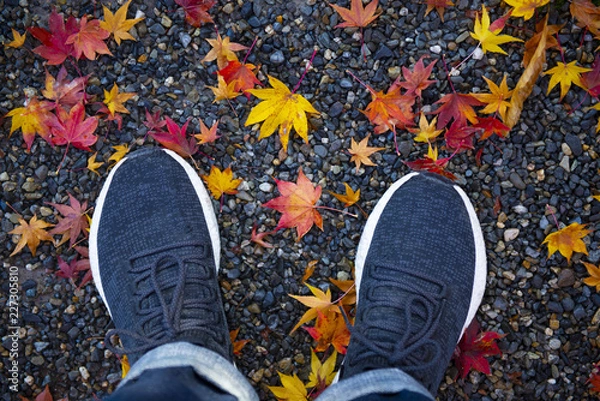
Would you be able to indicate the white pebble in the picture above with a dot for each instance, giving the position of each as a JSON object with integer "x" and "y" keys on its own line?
{"x": 437, "y": 49}
{"x": 478, "y": 54}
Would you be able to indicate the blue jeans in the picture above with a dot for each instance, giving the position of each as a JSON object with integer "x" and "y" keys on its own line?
{"x": 186, "y": 372}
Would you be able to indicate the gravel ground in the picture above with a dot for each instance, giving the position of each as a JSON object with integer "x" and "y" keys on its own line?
{"x": 550, "y": 318}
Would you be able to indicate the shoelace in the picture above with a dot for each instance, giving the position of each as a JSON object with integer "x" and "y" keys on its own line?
{"x": 416, "y": 319}
{"x": 164, "y": 322}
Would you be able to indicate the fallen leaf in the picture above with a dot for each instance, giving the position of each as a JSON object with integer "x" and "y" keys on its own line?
{"x": 297, "y": 205}
{"x": 460, "y": 137}
{"x": 390, "y": 110}
{"x": 432, "y": 164}
{"x": 154, "y": 122}
{"x": 309, "y": 270}
{"x": 439, "y": 5}
{"x": 55, "y": 47}
{"x": 319, "y": 301}
{"x": 426, "y": 131}
{"x": 567, "y": 240}
{"x": 124, "y": 366}
{"x": 224, "y": 90}
{"x": 175, "y": 138}
{"x": 590, "y": 80}
{"x": 349, "y": 198}
{"x": 565, "y": 74}
{"x": 361, "y": 152}
{"x": 239, "y": 344}
{"x": 525, "y": 8}
{"x": 31, "y": 234}
{"x": 489, "y": 40}
{"x": 120, "y": 152}
{"x": 280, "y": 108}
{"x": 221, "y": 182}
{"x": 74, "y": 128}
{"x": 357, "y": 15}
{"x": 321, "y": 374}
{"x": 417, "y": 80}
{"x": 114, "y": 100}
{"x": 349, "y": 289}
{"x": 72, "y": 271}
{"x": 32, "y": 119}
{"x": 330, "y": 330}
{"x": 594, "y": 272}
{"x": 291, "y": 389}
{"x": 73, "y": 221}
{"x": 222, "y": 51}
{"x": 65, "y": 91}
{"x": 586, "y": 14}
{"x": 18, "y": 39}
{"x": 532, "y": 44}
{"x": 498, "y": 100}
{"x": 93, "y": 165}
{"x": 490, "y": 126}
{"x": 89, "y": 40}
{"x": 258, "y": 238}
{"x": 117, "y": 24}
{"x": 45, "y": 395}
{"x": 242, "y": 76}
{"x": 473, "y": 348}
{"x": 196, "y": 11}
{"x": 207, "y": 135}
{"x": 457, "y": 106}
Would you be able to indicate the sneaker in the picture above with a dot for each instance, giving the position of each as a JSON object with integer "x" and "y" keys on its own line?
{"x": 420, "y": 277}
{"x": 154, "y": 253}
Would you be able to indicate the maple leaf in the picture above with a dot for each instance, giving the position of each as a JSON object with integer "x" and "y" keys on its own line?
{"x": 357, "y": 15}
{"x": 117, "y": 24}
{"x": 154, "y": 122}
{"x": 432, "y": 163}
{"x": 72, "y": 270}
{"x": 89, "y": 40}
{"x": 34, "y": 118}
{"x": 361, "y": 152}
{"x": 64, "y": 91}
{"x": 280, "y": 107}
{"x": 426, "y": 131}
{"x": 473, "y": 348}
{"x": 222, "y": 51}
{"x": 565, "y": 74}
{"x": 74, "y": 128}
{"x": 586, "y": 14}
{"x": 590, "y": 80}
{"x": 54, "y": 47}
{"x": 594, "y": 272}
{"x": 567, "y": 240}
{"x": 330, "y": 329}
{"x": 124, "y": 366}
{"x": 73, "y": 221}
{"x": 319, "y": 301}
{"x": 114, "y": 100}
{"x": 242, "y": 76}
{"x": 45, "y": 395}
{"x": 257, "y": 238}
{"x": 497, "y": 100}
{"x": 207, "y": 135}
{"x": 196, "y": 11}
{"x": 388, "y": 110}
{"x": 525, "y": 8}
{"x": 221, "y": 182}
{"x": 349, "y": 198}
{"x": 18, "y": 39}
{"x": 93, "y": 165}
{"x": 489, "y": 40}
{"x": 175, "y": 138}
{"x": 459, "y": 136}
{"x": 224, "y": 90}
{"x": 439, "y": 5}
{"x": 321, "y": 374}
{"x": 532, "y": 44}
{"x": 239, "y": 344}
{"x": 457, "y": 106}
{"x": 297, "y": 205}
{"x": 417, "y": 80}
{"x": 292, "y": 389}
{"x": 309, "y": 270}
{"x": 490, "y": 126}
{"x": 31, "y": 234}
{"x": 120, "y": 152}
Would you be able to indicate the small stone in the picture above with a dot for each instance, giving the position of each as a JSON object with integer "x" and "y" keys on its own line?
{"x": 510, "y": 234}
{"x": 436, "y": 49}
{"x": 320, "y": 150}
{"x": 254, "y": 308}
{"x": 574, "y": 144}
{"x": 266, "y": 187}
{"x": 517, "y": 181}
{"x": 554, "y": 343}
{"x": 29, "y": 185}
{"x": 228, "y": 8}
{"x": 478, "y": 54}
{"x": 29, "y": 380}
{"x": 277, "y": 57}
{"x": 166, "y": 21}
{"x": 566, "y": 278}
{"x": 4, "y": 176}
{"x": 520, "y": 209}
{"x": 564, "y": 163}
{"x": 85, "y": 374}
{"x": 70, "y": 309}
{"x": 37, "y": 360}
{"x": 185, "y": 39}
{"x": 40, "y": 345}
{"x": 566, "y": 149}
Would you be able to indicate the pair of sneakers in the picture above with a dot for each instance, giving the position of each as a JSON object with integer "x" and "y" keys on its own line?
{"x": 155, "y": 250}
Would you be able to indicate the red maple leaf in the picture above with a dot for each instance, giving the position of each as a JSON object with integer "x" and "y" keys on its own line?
{"x": 74, "y": 128}
{"x": 594, "y": 378}
{"x": 591, "y": 79}
{"x": 433, "y": 166}
{"x": 196, "y": 11}
{"x": 154, "y": 122}
{"x": 73, "y": 222}
{"x": 491, "y": 126}
{"x": 417, "y": 79}
{"x": 64, "y": 91}
{"x": 473, "y": 348}
{"x": 460, "y": 136}
{"x": 77, "y": 269}
{"x": 54, "y": 47}
{"x": 89, "y": 40}
{"x": 456, "y": 106}
{"x": 242, "y": 75}
{"x": 175, "y": 138}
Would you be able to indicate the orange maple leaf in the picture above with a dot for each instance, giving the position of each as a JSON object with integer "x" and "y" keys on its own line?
{"x": 457, "y": 106}
{"x": 34, "y": 118}
{"x": 532, "y": 44}
{"x": 330, "y": 329}
{"x": 222, "y": 51}
{"x": 587, "y": 15}
{"x": 349, "y": 198}
{"x": 18, "y": 39}
{"x": 117, "y": 24}
{"x": 439, "y": 5}
{"x": 594, "y": 272}
{"x": 207, "y": 135}
{"x": 221, "y": 182}
{"x": 65, "y": 91}
{"x": 89, "y": 40}
{"x": 390, "y": 110}
{"x": 31, "y": 234}
{"x": 319, "y": 301}
{"x": 241, "y": 75}
{"x": 567, "y": 240}
{"x": 361, "y": 152}
{"x": 357, "y": 15}
{"x": 297, "y": 205}
{"x": 239, "y": 344}
{"x": 258, "y": 238}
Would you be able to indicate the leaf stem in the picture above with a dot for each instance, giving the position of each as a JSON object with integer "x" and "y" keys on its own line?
{"x": 344, "y": 294}
{"x": 468, "y": 57}
{"x": 553, "y": 215}
{"x": 448, "y": 73}
{"x": 357, "y": 79}
{"x": 336, "y": 210}
{"x": 250, "y": 49}
{"x": 308, "y": 65}
{"x": 562, "y": 51}
{"x": 64, "y": 157}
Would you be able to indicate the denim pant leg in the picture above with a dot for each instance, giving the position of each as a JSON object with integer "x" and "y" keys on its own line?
{"x": 380, "y": 382}
{"x": 192, "y": 369}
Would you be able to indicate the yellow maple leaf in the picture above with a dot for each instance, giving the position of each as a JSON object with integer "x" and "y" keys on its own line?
{"x": 221, "y": 182}
{"x": 349, "y": 198}
{"x": 124, "y": 366}
{"x": 280, "y": 108}
{"x": 207, "y": 135}
{"x": 114, "y": 100}
{"x": 321, "y": 374}
{"x": 31, "y": 234}
{"x": 292, "y": 389}
{"x": 361, "y": 152}
{"x": 118, "y": 24}
{"x": 18, "y": 39}
{"x": 93, "y": 165}
{"x": 32, "y": 119}
{"x": 497, "y": 101}
{"x": 594, "y": 272}
{"x": 489, "y": 40}
{"x": 525, "y": 8}
{"x": 426, "y": 131}
{"x": 319, "y": 301}
{"x": 565, "y": 74}
{"x": 223, "y": 90}
{"x": 222, "y": 51}
{"x": 120, "y": 152}
{"x": 567, "y": 240}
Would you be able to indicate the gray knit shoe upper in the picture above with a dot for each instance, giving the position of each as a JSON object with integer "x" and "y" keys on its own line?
{"x": 154, "y": 250}
{"x": 420, "y": 276}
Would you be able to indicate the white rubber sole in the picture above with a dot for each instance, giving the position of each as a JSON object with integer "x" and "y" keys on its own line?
{"x": 205, "y": 202}
{"x": 480, "y": 258}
